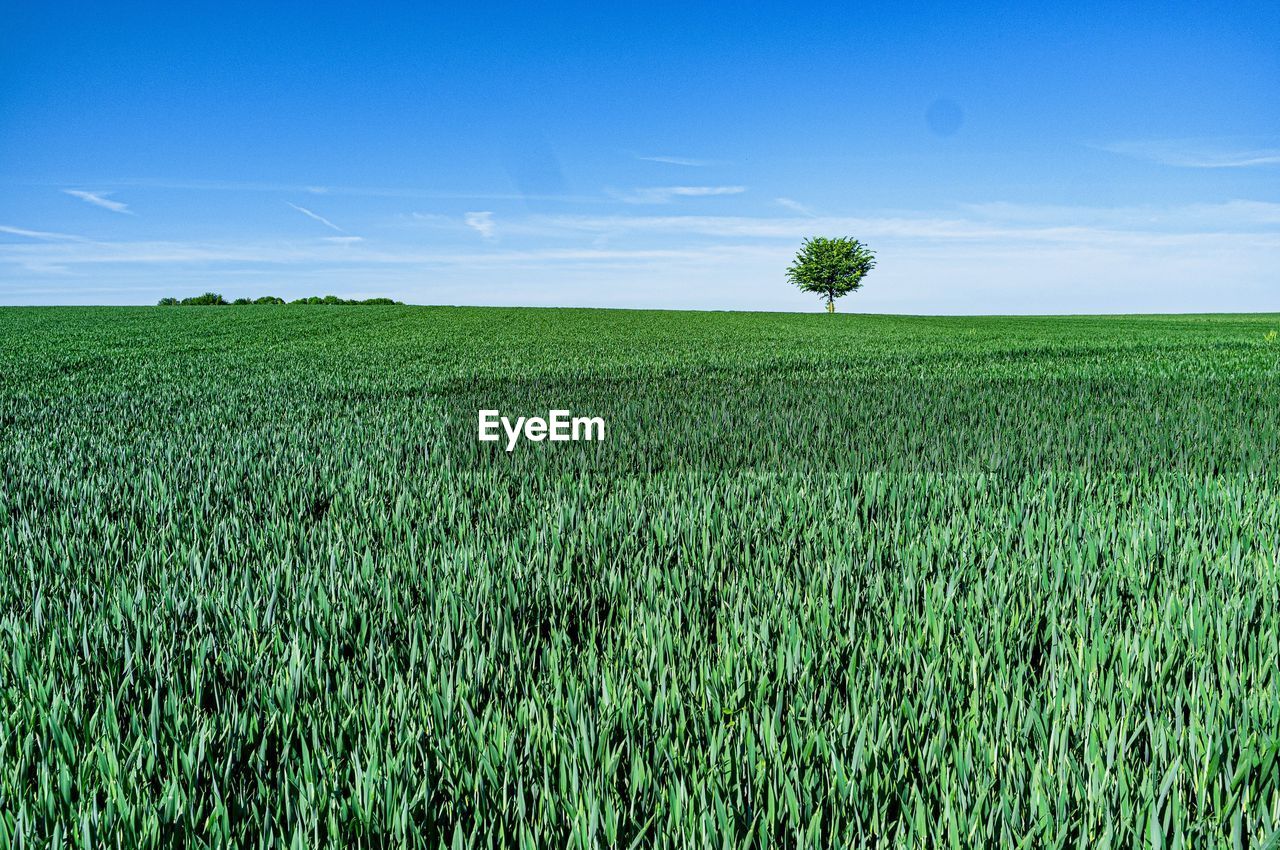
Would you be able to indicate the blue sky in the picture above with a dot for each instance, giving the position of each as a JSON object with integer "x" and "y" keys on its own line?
{"x": 1000, "y": 158}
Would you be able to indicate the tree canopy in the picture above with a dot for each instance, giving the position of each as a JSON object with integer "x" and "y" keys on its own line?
{"x": 213, "y": 299}
{"x": 831, "y": 267}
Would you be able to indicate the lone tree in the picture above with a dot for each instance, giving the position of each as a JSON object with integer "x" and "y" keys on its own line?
{"x": 831, "y": 267}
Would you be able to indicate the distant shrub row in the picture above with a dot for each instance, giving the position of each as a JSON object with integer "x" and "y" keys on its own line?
{"x": 213, "y": 299}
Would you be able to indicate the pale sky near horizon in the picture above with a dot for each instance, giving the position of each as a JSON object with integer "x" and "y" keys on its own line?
{"x": 999, "y": 158}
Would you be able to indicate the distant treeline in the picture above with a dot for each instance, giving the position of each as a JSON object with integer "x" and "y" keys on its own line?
{"x": 213, "y": 299}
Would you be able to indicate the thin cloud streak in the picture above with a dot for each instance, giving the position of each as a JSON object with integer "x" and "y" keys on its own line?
{"x": 1195, "y": 154}
{"x": 352, "y": 191}
{"x": 316, "y": 216}
{"x": 320, "y": 252}
{"x": 666, "y": 194}
{"x": 480, "y": 222}
{"x": 1227, "y": 214}
{"x": 795, "y": 206}
{"x": 989, "y": 222}
{"x": 677, "y": 160}
{"x": 40, "y": 234}
{"x": 99, "y": 199}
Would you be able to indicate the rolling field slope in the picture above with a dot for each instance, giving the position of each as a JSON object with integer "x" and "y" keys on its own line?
{"x": 828, "y": 580}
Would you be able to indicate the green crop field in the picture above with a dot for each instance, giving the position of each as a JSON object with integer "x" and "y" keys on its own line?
{"x": 829, "y": 581}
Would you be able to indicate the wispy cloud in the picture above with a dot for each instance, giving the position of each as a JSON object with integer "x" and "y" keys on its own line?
{"x": 1193, "y": 153}
{"x": 984, "y": 223}
{"x": 795, "y": 206}
{"x": 316, "y": 216}
{"x": 993, "y": 227}
{"x": 40, "y": 234}
{"x": 46, "y": 268}
{"x": 481, "y": 222}
{"x": 677, "y": 160}
{"x": 353, "y": 191}
{"x": 322, "y": 252}
{"x": 666, "y": 194}
{"x": 1227, "y": 215}
{"x": 99, "y": 199}
{"x": 987, "y": 257}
